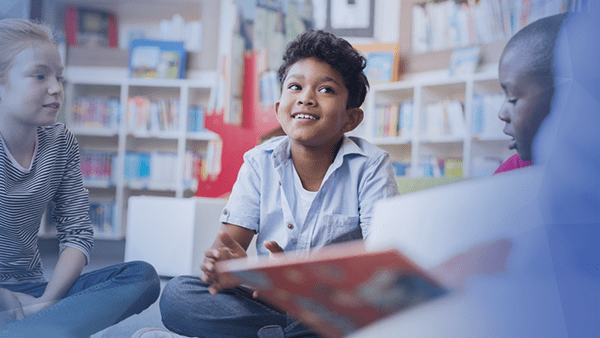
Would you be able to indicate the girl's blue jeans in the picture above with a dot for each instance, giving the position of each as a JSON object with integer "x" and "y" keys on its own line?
{"x": 188, "y": 309}
{"x": 96, "y": 300}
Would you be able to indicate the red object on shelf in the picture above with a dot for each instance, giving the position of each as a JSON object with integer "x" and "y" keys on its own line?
{"x": 238, "y": 139}
{"x": 73, "y": 26}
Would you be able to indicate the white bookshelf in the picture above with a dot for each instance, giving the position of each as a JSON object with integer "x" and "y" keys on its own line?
{"x": 427, "y": 88}
{"x": 120, "y": 140}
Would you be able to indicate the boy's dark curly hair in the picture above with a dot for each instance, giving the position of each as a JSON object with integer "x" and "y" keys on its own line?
{"x": 337, "y": 53}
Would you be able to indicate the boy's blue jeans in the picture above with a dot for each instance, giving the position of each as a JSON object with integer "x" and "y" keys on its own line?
{"x": 188, "y": 309}
{"x": 96, "y": 300}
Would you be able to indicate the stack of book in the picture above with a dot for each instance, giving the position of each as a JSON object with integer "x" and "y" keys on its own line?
{"x": 145, "y": 114}
{"x": 444, "y": 117}
{"x": 394, "y": 119}
{"x": 97, "y": 167}
{"x": 96, "y": 112}
{"x": 439, "y": 25}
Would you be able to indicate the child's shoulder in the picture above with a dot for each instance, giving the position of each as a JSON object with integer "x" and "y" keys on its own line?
{"x": 278, "y": 143}
{"x": 57, "y": 132}
{"x": 362, "y": 146}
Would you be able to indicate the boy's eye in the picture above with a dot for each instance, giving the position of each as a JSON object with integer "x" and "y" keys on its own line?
{"x": 326, "y": 90}
{"x": 60, "y": 79}
{"x": 512, "y": 101}
{"x": 40, "y": 77}
{"x": 294, "y": 86}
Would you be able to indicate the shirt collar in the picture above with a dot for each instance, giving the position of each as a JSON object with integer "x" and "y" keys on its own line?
{"x": 280, "y": 149}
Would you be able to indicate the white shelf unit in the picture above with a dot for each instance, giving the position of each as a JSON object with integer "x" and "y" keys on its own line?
{"x": 430, "y": 88}
{"x": 120, "y": 140}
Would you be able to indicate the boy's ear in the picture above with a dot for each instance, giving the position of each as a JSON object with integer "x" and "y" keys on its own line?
{"x": 354, "y": 117}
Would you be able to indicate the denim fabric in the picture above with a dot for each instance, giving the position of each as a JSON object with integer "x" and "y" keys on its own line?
{"x": 188, "y": 309}
{"x": 96, "y": 301}
{"x": 263, "y": 198}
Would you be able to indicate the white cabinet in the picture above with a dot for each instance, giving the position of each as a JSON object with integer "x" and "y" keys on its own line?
{"x": 172, "y": 234}
{"x": 435, "y": 131}
{"x": 119, "y": 150}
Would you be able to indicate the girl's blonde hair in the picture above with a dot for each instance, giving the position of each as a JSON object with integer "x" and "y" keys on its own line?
{"x": 16, "y": 35}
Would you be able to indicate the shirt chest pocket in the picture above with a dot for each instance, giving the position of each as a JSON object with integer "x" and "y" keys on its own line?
{"x": 341, "y": 228}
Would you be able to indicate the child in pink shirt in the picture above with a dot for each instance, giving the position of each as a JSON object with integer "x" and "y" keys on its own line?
{"x": 526, "y": 74}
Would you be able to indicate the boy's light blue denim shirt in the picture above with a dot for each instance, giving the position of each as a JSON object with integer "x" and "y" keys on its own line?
{"x": 263, "y": 196}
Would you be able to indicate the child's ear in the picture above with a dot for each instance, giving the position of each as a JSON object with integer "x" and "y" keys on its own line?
{"x": 354, "y": 117}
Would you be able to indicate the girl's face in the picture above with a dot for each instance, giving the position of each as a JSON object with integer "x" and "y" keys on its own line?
{"x": 32, "y": 92}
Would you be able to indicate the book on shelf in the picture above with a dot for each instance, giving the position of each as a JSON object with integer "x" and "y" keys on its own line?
{"x": 95, "y": 112}
{"x": 438, "y": 25}
{"x": 192, "y": 166}
{"x": 383, "y": 61}
{"x": 401, "y": 169}
{"x": 157, "y": 59}
{"x": 97, "y": 167}
{"x": 464, "y": 60}
{"x": 146, "y": 114}
{"x": 90, "y": 28}
{"x": 103, "y": 217}
{"x": 195, "y": 122}
{"x": 151, "y": 170}
{"x": 440, "y": 167}
{"x": 445, "y": 117}
{"x": 485, "y": 120}
{"x": 394, "y": 119}
{"x": 338, "y": 289}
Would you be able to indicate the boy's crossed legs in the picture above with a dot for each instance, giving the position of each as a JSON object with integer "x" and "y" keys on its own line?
{"x": 188, "y": 308}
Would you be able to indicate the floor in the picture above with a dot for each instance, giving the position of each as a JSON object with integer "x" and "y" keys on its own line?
{"x": 106, "y": 253}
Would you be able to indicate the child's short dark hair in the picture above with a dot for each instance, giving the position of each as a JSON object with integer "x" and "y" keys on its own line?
{"x": 536, "y": 41}
{"x": 337, "y": 53}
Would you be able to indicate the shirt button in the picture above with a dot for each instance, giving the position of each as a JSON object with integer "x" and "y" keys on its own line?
{"x": 225, "y": 212}
{"x": 290, "y": 226}
{"x": 279, "y": 182}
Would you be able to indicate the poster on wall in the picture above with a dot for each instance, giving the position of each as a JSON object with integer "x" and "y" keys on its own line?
{"x": 345, "y": 18}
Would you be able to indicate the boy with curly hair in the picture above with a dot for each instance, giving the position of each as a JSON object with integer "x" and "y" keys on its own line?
{"x": 299, "y": 192}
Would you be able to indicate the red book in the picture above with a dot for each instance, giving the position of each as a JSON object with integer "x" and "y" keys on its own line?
{"x": 90, "y": 27}
{"x": 338, "y": 289}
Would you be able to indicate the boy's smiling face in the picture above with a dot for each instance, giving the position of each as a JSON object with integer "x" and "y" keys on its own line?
{"x": 312, "y": 107}
{"x": 527, "y": 101}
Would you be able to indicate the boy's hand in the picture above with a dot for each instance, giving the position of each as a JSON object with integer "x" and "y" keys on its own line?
{"x": 273, "y": 248}
{"x": 276, "y": 252}
{"x": 230, "y": 250}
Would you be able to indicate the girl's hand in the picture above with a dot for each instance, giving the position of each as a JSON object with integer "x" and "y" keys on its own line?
{"x": 10, "y": 307}
{"x": 32, "y": 305}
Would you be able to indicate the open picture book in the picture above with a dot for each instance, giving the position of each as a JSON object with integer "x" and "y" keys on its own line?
{"x": 337, "y": 289}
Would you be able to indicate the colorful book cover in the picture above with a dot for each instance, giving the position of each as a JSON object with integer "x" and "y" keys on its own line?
{"x": 157, "y": 59}
{"x": 380, "y": 66}
{"x": 337, "y": 289}
{"x": 90, "y": 28}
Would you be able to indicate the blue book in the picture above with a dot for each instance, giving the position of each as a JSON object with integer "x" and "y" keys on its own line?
{"x": 157, "y": 59}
